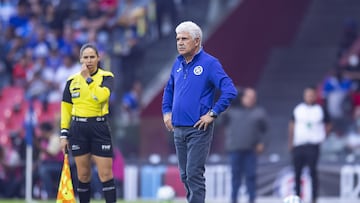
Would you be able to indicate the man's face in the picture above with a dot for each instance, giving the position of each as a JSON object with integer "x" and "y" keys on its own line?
{"x": 309, "y": 96}
{"x": 249, "y": 98}
{"x": 186, "y": 45}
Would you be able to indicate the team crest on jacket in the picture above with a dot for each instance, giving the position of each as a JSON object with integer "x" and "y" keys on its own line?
{"x": 198, "y": 70}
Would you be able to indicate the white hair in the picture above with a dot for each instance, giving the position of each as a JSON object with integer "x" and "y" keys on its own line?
{"x": 190, "y": 27}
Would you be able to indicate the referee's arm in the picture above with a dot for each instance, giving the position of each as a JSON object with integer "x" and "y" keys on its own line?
{"x": 102, "y": 92}
{"x": 66, "y": 107}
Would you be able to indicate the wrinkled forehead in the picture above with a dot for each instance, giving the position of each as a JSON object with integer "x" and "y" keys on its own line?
{"x": 184, "y": 35}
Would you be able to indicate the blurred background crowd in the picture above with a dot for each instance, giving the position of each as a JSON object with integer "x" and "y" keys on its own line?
{"x": 40, "y": 41}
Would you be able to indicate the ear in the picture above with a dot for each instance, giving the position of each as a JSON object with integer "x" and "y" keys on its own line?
{"x": 197, "y": 41}
{"x": 81, "y": 60}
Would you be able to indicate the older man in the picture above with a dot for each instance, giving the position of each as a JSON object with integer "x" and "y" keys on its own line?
{"x": 188, "y": 106}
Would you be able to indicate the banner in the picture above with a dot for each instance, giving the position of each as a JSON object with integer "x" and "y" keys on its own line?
{"x": 273, "y": 180}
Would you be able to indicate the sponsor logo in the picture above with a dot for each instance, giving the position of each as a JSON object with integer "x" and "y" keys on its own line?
{"x": 105, "y": 147}
{"x": 198, "y": 70}
{"x": 75, "y": 147}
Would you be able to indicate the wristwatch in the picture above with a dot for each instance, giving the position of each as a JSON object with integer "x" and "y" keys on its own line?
{"x": 212, "y": 114}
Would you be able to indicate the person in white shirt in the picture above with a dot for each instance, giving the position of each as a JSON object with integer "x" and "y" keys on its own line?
{"x": 68, "y": 68}
{"x": 308, "y": 127}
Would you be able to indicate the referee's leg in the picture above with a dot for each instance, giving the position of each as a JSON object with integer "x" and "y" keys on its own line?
{"x": 83, "y": 166}
{"x": 104, "y": 165}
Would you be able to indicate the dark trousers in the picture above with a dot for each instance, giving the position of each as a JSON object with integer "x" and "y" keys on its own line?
{"x": 192, "y": 148}
{"x": 164, "y": 7}
{"x": 306, "y": 155}
{"x": 243, "y": 163}
{"x": 49, "y": 173}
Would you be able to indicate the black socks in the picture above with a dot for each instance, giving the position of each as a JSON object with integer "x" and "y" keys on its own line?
{"x": 84, "y": 192}
{"x": 109, "y": 191}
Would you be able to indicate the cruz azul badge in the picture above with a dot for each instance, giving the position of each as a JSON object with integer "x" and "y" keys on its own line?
{"x": 198, "y": 70}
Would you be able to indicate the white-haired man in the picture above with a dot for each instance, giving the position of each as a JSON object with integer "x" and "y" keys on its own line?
{"x": 189, "y": 107}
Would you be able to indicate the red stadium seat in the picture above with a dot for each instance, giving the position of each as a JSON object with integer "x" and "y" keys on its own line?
{"x": 13, "y": 94}
{"x": 51, "y": 113}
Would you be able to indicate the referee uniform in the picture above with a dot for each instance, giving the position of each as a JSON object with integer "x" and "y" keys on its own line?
{"x": 84, "y": 111}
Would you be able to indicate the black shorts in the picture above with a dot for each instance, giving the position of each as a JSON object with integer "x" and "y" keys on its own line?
{"x": 90, "y": 137}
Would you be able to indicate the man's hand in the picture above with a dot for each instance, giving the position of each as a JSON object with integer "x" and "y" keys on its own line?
{"x": 167, "y": 121}
{"x": 204, "y": 122}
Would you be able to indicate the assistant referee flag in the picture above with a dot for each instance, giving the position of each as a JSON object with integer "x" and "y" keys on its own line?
{"x": 65, "y": 191}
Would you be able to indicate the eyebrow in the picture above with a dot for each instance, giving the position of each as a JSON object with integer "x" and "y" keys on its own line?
{"x": 182, "y": 38}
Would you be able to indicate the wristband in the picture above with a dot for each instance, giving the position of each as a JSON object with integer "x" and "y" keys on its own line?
{"x": 64, "y": 133}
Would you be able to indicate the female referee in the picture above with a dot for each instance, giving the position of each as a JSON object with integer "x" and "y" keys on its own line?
{"x": 84, "y": 127}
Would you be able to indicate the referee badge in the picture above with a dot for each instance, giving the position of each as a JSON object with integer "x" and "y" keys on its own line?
{"x": 198, "y": 70}
{"x": 75, "y": 94}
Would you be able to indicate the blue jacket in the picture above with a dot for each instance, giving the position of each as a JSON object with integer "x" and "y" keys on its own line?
{"x": 190, "y": 91}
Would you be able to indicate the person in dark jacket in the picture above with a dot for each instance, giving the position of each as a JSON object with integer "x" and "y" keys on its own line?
{"x": 246, "y": 126}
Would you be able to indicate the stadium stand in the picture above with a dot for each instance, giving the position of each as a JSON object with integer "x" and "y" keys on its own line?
{"x": 281, "y": 46}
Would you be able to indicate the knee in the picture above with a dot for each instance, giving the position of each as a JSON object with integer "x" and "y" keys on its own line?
{"x": 183, "y": 179}
{"x": 195, "y": 177}
{"x": 84, "y": 177}
{"x": 183, "y": 176}
{"x": 105, "y": 175}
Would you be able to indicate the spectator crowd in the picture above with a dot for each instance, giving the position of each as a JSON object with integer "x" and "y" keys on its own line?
{"x": 40, "y": 42}
{"x": 340, "y": 94}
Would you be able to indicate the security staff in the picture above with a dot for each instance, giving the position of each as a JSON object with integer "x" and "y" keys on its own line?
{"x": 84, "y": 127}
{"x": 308, "y": 128}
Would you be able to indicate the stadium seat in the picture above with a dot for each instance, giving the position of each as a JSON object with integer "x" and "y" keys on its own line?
{"x": 13, "y": 94}
{"x": 5, "y": 113}
{"x": 51, "y": 113}
{"x": 16, "y": 122}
